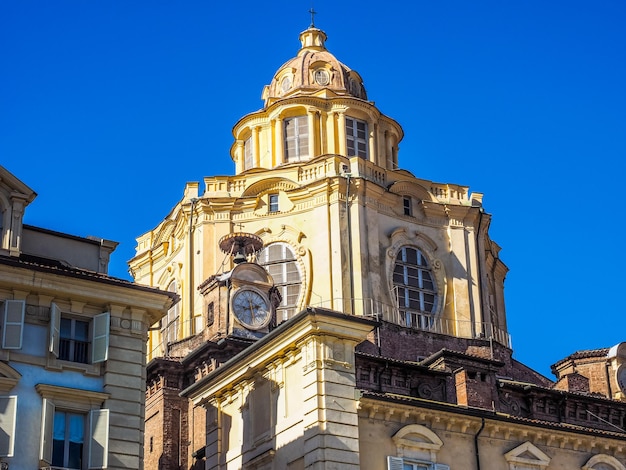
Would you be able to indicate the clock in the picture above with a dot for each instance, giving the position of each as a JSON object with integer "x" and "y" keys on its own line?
{"x": 620, "y": 375}
{"x": 251, "y": 307}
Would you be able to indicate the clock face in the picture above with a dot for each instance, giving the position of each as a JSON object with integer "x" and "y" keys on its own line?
{"x": 251, "y": 308}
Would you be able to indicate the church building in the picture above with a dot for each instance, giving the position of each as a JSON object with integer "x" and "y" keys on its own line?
{"x": 339, "y": 312}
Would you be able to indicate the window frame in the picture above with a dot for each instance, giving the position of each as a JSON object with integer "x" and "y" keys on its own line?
{"x": 288, "y": 258}
{"x": 85, "y": 402}
{"x": 411, "y": 298}
{"x": 300, "y": 138}
{"x": 353, "y": 139}
{"x": 71, "y": 352}
{"x": 13, "y": 314}
{"x": 400, "y": 463}
{"x": 273, "y": 203}
{"x": 407, "y": 205}
{"x": 8, "y": 420}
{"x": 99, "y": 332}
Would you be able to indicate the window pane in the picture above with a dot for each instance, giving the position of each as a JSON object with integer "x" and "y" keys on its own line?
{"x": 279, "y": 261}
{"x": 81, "y": 330}
{"x": 416, "y": 290}
{"x": 411, "y": 256}
{"x": 66, "y": 328}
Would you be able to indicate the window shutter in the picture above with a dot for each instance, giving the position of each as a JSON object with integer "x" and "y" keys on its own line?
{"x": 441, "y": 466}
{"x": 394, "y": 463}
{"x": 47, "y": 426}
{"x": 55, "y": 329}
{"x": 8, "y": 406}
{"x": 100, "y": 343}
{"x": 98, "y": 439}
{"x": 13, "y": 324}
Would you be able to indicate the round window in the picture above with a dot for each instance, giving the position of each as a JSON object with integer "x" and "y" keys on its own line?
{"x": 285, "y": 84}
{"x": 322, "y": 77}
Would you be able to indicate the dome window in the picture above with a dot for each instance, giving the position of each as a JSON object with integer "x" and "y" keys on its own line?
{"x": 285, "y": 84}
{"x": 322, "y": 77}
{"x": 296, "y": 135}
{"x": 356, "y": 135}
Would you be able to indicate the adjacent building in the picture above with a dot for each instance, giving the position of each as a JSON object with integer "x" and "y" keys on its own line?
{"x": 339, "y": 312}
{"x": 72, "y": 351}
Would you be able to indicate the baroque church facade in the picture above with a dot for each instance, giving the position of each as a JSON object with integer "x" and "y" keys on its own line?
{"x": 339, "y": 312}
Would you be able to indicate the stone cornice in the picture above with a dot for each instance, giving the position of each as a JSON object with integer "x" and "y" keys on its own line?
{"x": 455, "y": 418}
{"x": 296, "y": 333}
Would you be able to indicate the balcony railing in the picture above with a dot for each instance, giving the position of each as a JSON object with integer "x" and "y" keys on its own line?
{"x": 393, "y": 314}
{"x": 418, "y": 320}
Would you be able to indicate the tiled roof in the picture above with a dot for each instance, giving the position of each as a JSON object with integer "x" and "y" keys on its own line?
{"x": 60, "y": 268}
{"x": 584, "y": 354}
{"x": 479, "y": 412}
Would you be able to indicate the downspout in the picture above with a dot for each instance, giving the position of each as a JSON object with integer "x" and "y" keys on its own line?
{"x": 190, "y": 282}
{"x": 482, "y": 426}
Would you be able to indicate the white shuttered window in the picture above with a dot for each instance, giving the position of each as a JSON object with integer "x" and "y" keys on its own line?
{"x": 13, "y": 323}
{"x": 64, "y": 435}
{"x": 296, "y": 132}
{"x": 70, "y": 339}
{"x": 8, "y": 409}
{"x": 356, "y": 135}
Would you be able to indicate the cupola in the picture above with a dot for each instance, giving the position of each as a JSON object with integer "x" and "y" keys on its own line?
{"x": 314, "y": 105}
{"x": 314, "y": 71}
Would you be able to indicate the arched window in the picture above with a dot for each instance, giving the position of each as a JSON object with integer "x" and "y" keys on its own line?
{"x": 415, "y": 288}
{"x": 603, "y": 462}
{"x": 170, "y": 323}
{"x": 280, "y": 261}
{"x": 296, "y": 130}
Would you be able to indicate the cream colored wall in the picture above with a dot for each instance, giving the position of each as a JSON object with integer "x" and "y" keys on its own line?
{"x": 314, "y": 223}
{"x": 293, "y": 398}
{"x": 380, "y": 421}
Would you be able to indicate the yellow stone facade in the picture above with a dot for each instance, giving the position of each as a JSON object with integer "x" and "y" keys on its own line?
{"x": 344, "y": 217}
{"x": 389, "y": 347}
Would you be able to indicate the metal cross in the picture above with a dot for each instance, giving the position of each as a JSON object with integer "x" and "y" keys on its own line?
{"x": 313, "y": 13}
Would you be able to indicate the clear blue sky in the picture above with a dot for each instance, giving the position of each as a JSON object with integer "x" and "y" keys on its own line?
{"x": 107, "y": 108}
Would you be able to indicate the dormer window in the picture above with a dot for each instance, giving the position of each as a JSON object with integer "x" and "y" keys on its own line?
{"x": 356, "y": 135}
{"x": 296, "y": 134}
{"x": 273, "y": 202}
{"x": 407, "y": 206}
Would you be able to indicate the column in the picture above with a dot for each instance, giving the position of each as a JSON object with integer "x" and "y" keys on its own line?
{"x": 341, "y": 132}
{"x": 278, "y": 142}
{"x": 255, "y": 146}
{"x": 313, "y": 151}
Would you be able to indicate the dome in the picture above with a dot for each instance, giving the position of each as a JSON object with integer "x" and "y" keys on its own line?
{"x": 314, "y": 71}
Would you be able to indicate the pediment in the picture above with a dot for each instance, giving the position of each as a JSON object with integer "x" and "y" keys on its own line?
{"x": 11, "y": 187}
{"x": 603, "y": 462}
{"x": 270, "y": 184}
{"x": 527, "y": 455}
{"x": 9, "y": 377}
{"x": 413, "y": 189}
{"x": 417, "y": 437}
